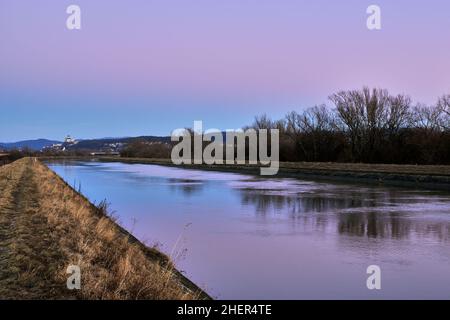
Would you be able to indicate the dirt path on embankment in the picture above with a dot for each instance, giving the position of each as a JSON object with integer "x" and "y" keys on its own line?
{"x": 28, "y": 250}
{"x": 46, "y": 226}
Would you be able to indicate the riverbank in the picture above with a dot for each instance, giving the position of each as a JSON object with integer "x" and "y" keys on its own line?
{"x": 45, "y": 226}
{"x": 225, "y": 218}
{"x": 433, "y": 177}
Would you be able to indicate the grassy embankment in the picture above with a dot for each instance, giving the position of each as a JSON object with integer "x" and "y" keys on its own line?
{"x": 417, "y": 176}
{"x": 45, "y": 226}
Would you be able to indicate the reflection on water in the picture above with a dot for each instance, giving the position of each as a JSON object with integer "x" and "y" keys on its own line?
{"x": 372, "y": 213}
{"x": 250, "y": 237}
{"x": 187, "y": 186}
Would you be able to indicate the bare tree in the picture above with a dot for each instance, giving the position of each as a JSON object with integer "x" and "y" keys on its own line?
{"x": 370, "y": 117}
{"x": 429, "y": 118}
{"x": 398, "y": 114}
{"x": 262, "y": 122}
{"x": 363, "y": 113}
{"x": 311, "y": 131}
{"x": 444, "y": 106}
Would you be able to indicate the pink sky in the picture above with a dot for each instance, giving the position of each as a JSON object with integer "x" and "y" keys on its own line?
{"x": 179, "y": 61}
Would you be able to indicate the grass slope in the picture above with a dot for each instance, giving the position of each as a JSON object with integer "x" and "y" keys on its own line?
{"x": 45, "y": 226}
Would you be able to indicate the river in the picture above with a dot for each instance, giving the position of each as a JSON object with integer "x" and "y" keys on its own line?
{"x": 245, "y": 237}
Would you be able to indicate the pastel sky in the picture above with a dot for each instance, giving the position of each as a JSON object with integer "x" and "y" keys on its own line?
{"x": 146, "y": 67}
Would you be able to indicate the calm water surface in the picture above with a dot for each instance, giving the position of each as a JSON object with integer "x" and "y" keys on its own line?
{"x": 241, "y": 236}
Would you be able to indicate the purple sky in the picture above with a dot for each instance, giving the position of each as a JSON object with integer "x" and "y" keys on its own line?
{"x": 147, "y": 67}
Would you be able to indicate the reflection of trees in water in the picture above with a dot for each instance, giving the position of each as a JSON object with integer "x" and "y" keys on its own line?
{"x": 392, "y": 226}
{"x": 374, "y": 225}
{"x": 265, "y": 202}
{"x": 186, "y": 186}
{"x": 341, "y": 210}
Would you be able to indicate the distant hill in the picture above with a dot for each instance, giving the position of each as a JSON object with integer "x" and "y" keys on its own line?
{"x": 104, "y": 144}
{"x": 30, "y": 144}
{"x": 112, "y": 144}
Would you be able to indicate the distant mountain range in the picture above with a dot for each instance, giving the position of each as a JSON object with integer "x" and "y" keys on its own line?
{"x": 88, "y": 144}
{"x": 37, "y": 144}
{"x": 112, "y": 144}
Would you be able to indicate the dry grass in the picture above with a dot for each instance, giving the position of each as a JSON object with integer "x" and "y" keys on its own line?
{"x": 113, "y": 264}
{"x": 371, "y": 168}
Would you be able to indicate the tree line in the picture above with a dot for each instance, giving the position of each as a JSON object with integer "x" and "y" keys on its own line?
{"x": 368, "y": 125}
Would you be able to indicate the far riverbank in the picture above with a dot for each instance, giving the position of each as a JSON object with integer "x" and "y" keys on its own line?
{"x": 433, "y": 177}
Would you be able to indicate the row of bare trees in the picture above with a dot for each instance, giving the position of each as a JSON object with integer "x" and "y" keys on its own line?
{"x": 144, "y": 149}
{"x": 368, "y": 125}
